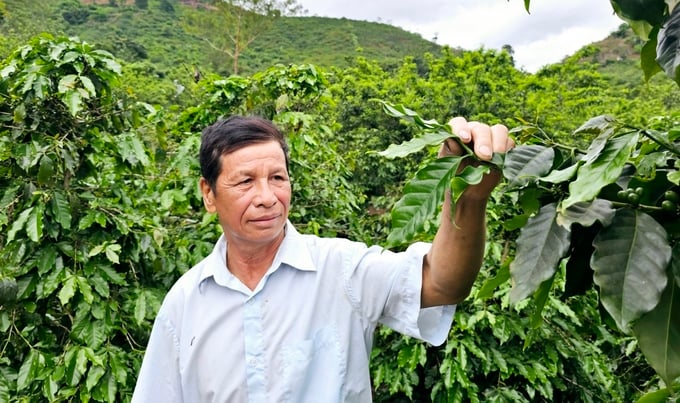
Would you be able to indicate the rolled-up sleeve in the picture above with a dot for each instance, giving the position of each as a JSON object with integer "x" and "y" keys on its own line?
{"x": 391, "y": 287}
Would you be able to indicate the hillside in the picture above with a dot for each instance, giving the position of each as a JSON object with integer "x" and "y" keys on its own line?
{"x": 153, "y": 40}
{"x": 155, "y": 35}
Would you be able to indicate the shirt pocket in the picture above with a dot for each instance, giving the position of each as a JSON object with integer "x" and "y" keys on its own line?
{"x": 314, "y": 370}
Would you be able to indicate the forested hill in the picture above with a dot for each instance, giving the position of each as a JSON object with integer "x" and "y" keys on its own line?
{"x": 155, "y": 35}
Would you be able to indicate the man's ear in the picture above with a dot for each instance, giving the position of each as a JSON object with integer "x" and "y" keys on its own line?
{"x": 208, "y": 195}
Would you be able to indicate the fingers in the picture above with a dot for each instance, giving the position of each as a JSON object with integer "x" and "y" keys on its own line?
{"x": 484, "y": 139}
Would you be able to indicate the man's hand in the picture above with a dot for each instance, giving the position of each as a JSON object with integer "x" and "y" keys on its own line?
{"x": 484, "y": 140}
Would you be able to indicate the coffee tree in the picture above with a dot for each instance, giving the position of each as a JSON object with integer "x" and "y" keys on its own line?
{"x": 73, "y": 231}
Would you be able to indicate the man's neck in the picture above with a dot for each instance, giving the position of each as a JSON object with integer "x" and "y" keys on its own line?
{"x": 250, "y": 264}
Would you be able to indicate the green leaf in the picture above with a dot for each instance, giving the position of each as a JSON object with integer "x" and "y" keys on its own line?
{"x": 470, "y": 175}
{"x": 587, "y": 213}
{"x": 597, "y": 145}
{"x": 49, "y": 283}
{"x": 604, "y": 170}
{"x": 540, "y": 246}
{"x": 648, "y": 56}
{"x": 34, "y": 225}
{"x": 47, "y": 259}
{"x": 650, "y": 11}
{"x": 674, "y": 177}
{"x": 663, "y": 141}
{"x": 27, "y": 370}
{"x": 9, "y": 196}
{"x": 45, "y": 171}
{"x": 435, "y": 134}
{"x": 112, "y": 252}
{"x": 19, "y": 223}
{"x": 67, "y": 83}
{"x": 541, "y": 297}
{"x": 400, "y": 111}
{"x": 68, "y": 290}
{"x": 92, "y": 216}
{"x": 597, "y": 125}
{"x": 132, "y": 150}
{"x": 658, "y": 396}
{"x": 61, "y": 210}
{"x": 97, "y": 250}
{"x": 76, "y": 365}
{"x": 630, "y": 260}
{"x": 524, "y": 164}
{"x": 110, "y": 274}
{"x": 422, "y": 197}
{"x": 561, "y": 175}
{"x": 100, "y": 285}
{"x": 487, "y": 289}
{"x": 106, "y": 389}
{"x": 414, "y": 145}
{"x": 667, "y": 49}
{"x": 85, "y": 289}
{"x": 88, "y": 331}
{"x": 73, "y": 100}
{"x": 88, "y": 85}
{"x": 658, "y": 334}
{"x": 93, "y": 376}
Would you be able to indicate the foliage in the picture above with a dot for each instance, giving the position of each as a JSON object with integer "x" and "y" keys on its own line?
{"x": 100, "y": 213}
{"x": 73, "y": 235}
{"x": 609, "y": 213}
{"x": 487, "y": 357}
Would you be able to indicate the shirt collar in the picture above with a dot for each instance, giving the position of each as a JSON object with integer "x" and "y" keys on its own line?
{"x": 293, "y": 252}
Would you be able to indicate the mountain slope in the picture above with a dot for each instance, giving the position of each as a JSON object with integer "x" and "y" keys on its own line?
{"x": 155, "y": 35}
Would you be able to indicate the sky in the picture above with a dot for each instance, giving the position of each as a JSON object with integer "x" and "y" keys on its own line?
{"x": 553, "y": 29}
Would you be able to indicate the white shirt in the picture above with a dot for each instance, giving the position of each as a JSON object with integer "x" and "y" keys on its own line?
{"x": 304, "y": 334}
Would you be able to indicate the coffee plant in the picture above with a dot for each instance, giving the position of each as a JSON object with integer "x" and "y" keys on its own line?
{"x": 608, "y": 213}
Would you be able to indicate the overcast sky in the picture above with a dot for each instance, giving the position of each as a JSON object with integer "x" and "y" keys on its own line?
{"x": 553, "y": 30}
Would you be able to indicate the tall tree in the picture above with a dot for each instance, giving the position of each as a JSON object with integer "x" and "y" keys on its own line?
{"x": 230, "y": 26}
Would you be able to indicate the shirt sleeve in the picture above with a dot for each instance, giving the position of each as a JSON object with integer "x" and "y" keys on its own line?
{"x": 158, "y": 379}
{"x": 391, "y": 288}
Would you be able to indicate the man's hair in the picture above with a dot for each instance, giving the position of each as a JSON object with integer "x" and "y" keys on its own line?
{"x": 228, "y": 135}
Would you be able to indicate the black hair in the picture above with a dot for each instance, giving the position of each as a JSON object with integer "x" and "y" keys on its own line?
{"x": 228, "y": 135}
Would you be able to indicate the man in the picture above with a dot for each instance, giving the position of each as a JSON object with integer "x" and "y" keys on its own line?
{"x": 276, "y": 316}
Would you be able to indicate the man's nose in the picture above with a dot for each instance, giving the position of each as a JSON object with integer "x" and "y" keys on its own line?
{"x": 265, "y": 195}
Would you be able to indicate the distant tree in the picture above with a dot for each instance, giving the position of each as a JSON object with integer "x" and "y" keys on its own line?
{"x": 3, "y": 11}
{"x": 510, "y": 51}
{"x": 230, "y": 26}
{"x": 166, "y": 7}
{"x": 142, "y": 4}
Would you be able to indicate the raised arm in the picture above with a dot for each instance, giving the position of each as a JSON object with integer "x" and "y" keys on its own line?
{"x": 452, "y": 265}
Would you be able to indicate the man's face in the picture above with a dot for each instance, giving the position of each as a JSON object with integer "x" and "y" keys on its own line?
{"x": 252, "y": 194}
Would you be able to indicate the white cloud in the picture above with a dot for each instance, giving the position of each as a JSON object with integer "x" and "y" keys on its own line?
{"x": 553, "y": 30}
